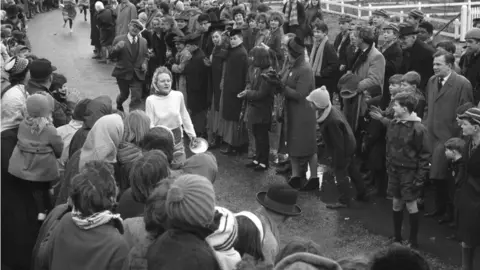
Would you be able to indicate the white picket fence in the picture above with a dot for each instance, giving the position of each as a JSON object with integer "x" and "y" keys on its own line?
{"x": 468, "y": 11}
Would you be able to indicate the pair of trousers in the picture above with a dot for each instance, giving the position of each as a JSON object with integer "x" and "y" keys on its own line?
{"x": 341, "y": 174}
{"x": 135, "y": 86}
{"x": 262, "y": 142}
{"x": 442, "y": 198}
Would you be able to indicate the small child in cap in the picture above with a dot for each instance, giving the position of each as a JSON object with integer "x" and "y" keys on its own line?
{"x": 34, "y": 158}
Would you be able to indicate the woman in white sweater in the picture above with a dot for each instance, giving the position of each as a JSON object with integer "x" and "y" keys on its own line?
{"x": 167, "y": 108}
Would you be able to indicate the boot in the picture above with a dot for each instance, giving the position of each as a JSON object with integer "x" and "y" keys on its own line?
{"x": 312, "y": 184}
{"x": 297, "y": 182}
{"x": 413, "y": 218}
{"x": 467, "y": 258}
{"x": 397, "y": 225}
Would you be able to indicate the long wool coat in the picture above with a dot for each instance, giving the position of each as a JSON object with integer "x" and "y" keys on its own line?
{"x": 419, "y": 58}
{"x": 125, "y": 13}
{"x": 197, "y": 82}
{"x": 235, "y": 80}
{"x": 301, "y": 121}
{"x": 441, "y": 117}
{"x": 372, "y": 72}
{"x": 219, "y": 55}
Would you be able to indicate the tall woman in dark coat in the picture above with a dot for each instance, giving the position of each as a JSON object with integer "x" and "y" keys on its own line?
{"x": 217, "y": 60}
{"x": 260, "y": 106}
{"x": 469, "y": 197}
{"x": 234, "y": 82}
{"x": 300, "y": 116}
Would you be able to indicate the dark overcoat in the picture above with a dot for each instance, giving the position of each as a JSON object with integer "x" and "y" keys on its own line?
{"x": 219, "y": 55}
{"x": 301, "y": 121}
{"x": 127, "y": 65}
{"x": 441, "y": 117}
{"x": 235, "y": 80}
{"x": 418, "y": 58}
{"x": 197, "y": 82}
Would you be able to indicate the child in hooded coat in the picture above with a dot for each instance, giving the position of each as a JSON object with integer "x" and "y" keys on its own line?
{"x": 34, "y": 158}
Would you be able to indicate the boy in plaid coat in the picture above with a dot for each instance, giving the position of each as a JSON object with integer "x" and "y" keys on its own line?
{"x": 408, "y": 156}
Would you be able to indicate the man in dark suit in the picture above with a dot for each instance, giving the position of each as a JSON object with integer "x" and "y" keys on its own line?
{"x": 131, "y": 52}
{"x": 417, "y": 56}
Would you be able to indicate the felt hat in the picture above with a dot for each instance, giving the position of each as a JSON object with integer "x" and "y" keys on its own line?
{"x": 16, "y": 65}
{"x": 41, "y": 68}
{"x": 280, "y": 199}
{"x": 224, "y": 237}
{"x": 406, "y": 29}
{"x": 296, "y": 45}
{"x": 320, "y": 97}
{"x": 18, "y": 35}
{"x": 80, "y": 109}
{"x": 348, "y": 85}
{"x": 234, "y": 32}
{"x": 473, "y": 33}
{"x": 39, "y": 105}
{"x": 427, "y": 26}
{"x": 381, "y": 13}
{"x": 137, "y": 23}
{"x": 472, "y": 113}
{"x": 391, "y": 26}
{"x": 416, "y": 14}
{"x": 191, "y": 201}
{"x": 345, "y": 19}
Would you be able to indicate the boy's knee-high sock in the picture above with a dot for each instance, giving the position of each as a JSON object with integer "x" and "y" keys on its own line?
{"x": 413, "y": 228}
{"x": 397, "y": 225}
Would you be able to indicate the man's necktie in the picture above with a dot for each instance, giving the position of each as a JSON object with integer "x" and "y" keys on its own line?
{"x": 440, "y": 84}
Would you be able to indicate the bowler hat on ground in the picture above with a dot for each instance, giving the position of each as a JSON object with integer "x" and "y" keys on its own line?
{"x": 406, "y": 29}
{"x": 280, "y": 199}
{"x": 41, "y": 68}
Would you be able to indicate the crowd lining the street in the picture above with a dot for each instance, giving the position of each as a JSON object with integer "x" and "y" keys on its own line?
{"x": 86, "y": 185}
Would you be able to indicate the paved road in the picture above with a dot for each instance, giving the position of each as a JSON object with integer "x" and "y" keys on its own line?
{"x": 71, "y": 53}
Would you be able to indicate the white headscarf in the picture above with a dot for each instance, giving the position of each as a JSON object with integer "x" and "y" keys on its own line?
{"x": 102, "y": 140}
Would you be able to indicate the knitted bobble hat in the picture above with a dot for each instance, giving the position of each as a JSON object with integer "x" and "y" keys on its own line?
{"x": 191, "y": 201}
{"x": 39, "y": 105}
{"x": 225, "y": 236}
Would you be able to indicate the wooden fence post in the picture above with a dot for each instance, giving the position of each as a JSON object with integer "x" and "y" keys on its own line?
{"x": 342, "y": 7}
{"x": 464, "y": 23}
{"x": 359, "y": 13}
{"x": 369, "y": 10}
{"x": 456, "y": 25}
{"x": 327, "y": 6}
{"x": 401, "y": 16}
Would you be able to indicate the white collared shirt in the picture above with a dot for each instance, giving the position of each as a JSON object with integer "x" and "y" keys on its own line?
{"x": 446, "y": 78}
{"x": 132, "y": 39}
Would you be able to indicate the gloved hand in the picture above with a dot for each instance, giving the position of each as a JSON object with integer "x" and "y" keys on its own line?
{"x": 272, "y": 77}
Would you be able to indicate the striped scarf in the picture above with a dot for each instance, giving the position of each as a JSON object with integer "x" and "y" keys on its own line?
{"x": 291, "y": 12}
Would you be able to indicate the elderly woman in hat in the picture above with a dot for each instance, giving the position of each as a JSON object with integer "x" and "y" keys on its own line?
{"x": 469, "y": 199}
{"x": 300, "y": 125}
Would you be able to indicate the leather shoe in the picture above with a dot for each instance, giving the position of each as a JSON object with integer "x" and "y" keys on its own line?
{"x": 296, "y": 182}
{"x": 284, "y": 169}
{"x": 434, "y": 213}
{"x": 312, "y": 184}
